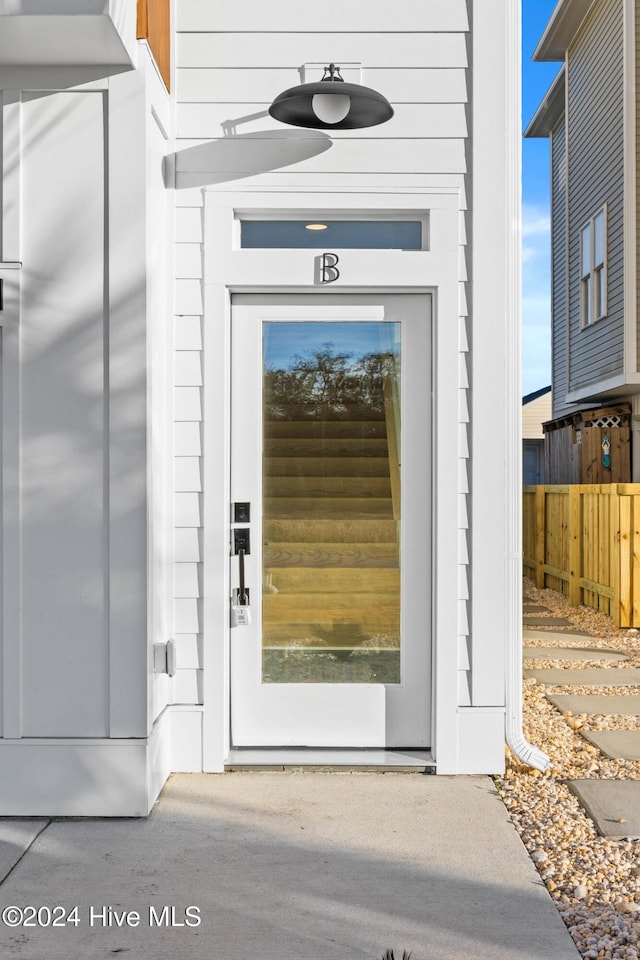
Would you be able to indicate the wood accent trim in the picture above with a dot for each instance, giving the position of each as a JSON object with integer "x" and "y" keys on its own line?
{"x": 143, "y": 20}
{"x": 154, "y": 26}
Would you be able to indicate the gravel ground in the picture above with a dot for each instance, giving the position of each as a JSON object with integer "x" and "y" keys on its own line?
{"x": 594, "y": 881}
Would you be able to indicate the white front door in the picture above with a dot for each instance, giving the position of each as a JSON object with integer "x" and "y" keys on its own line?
{"x": 331, "y": 451}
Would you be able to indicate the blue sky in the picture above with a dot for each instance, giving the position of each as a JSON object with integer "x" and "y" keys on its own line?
{"x": 536, "y": 79}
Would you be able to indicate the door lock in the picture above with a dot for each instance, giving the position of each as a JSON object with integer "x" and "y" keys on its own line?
{"x": 241, "y": 512}
{"x": 241, "y": 541}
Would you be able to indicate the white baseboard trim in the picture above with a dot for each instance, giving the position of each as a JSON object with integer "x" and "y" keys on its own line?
{"x": 79, "y": 777}
{"x": 84, "y": 777}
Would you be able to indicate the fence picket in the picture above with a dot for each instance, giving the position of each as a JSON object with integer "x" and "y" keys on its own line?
{"x": 622, "y": 614}
{"x": 615, "y": 550}
{"x": 584, "y": 540}
{"x": 539, "y": 539}
{"x": 635, "y": 560}
{"x": 575, "y": 568}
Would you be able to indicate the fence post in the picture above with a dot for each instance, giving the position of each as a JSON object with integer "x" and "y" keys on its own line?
{"x": 635, "y": 560}
{"x": 623, "y": 618}
{"x": 540, "y": 536}
{"x": 614, "y": 506}
{"x": 575, "y": 545}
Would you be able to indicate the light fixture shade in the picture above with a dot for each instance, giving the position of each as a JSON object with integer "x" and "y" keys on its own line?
{"x": 367, "y": 107}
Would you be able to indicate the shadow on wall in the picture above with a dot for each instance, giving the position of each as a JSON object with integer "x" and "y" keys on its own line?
{"x": 238, "y": 156}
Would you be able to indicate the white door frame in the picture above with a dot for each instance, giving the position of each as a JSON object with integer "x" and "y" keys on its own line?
{"x": 229, "y": 269}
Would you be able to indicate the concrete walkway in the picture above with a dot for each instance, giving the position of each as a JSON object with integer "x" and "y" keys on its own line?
{"x": 311, "y": 866}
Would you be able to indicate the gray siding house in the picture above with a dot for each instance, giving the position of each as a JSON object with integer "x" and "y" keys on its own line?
{"x": 590, "y": 117}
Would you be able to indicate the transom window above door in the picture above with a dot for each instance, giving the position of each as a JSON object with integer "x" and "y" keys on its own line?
{"x": 322, "y": 233}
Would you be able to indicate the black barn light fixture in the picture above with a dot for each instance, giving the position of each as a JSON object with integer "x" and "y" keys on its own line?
{"x": 331, "y": 104}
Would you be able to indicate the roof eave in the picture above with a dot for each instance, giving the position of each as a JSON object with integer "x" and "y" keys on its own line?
{"x": 550, "y": 110}
{"x": 562, "y": 27}
{"x": 530, "y": 397}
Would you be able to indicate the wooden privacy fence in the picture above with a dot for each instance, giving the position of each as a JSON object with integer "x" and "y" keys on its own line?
{"x": 584, "y": 541}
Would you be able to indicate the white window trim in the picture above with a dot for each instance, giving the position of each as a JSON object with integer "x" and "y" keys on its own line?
{"x": 587, "y": 291}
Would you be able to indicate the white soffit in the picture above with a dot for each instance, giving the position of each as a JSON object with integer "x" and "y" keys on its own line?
{"x": 60, "y": 40}
{"x": 562, "y": 27}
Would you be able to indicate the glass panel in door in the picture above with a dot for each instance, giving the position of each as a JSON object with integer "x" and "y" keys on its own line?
{"x": 331, "y": 502}
{"x": 326, "y": 392}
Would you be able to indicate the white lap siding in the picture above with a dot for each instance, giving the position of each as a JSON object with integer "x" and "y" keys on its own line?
{"x": 188, "y": 453}
{"x": 231, "y": 62}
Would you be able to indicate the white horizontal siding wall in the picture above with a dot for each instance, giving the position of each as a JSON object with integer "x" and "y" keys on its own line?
{"x": 231, "y": 65}
{"x": 232, "y": 60}
{"x": 188, "y": 453}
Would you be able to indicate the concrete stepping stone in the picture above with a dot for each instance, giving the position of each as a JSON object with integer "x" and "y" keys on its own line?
{"x": 553, "y": 634}
{"x": 608, "y": 802}
{"x": 534, "y": 608}
{"x": 608, "y": 705}
{"x": 589, "y": 676}
{"x": 615, "y": 744}
{"x": 572, "y": 653}
{"x": 535, "y": 621}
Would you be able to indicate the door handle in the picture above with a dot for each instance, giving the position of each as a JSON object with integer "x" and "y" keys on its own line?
{"x": 241, "y": 547}
{"x": 240, "y": 609}
{"x": 243, "y": 593}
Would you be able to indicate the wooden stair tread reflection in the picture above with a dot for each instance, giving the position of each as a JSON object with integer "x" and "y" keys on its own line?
{"x": 330, "y": 531}
{"x": 346, "y": 466}
{"x": 365, "y": 487}
{"x": 326, "y": 447}
{"x": 330, "y": 537}
{"x": 329, "y": 580}
{"x": 319, "y": 555}
{"x": 324, "y": 428}
{"x": 351, "y": 608}
{"x": 328, "y": 508}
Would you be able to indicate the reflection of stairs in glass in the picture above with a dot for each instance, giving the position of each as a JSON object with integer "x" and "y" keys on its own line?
{"x": 331, "y": 543}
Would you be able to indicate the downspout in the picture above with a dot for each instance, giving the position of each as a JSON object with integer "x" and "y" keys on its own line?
{"x": 519, "y": 746}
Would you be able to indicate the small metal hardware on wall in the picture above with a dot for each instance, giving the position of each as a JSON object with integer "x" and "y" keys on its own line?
{"x": 606, "y": 457}
{"x": 327, "y": 268}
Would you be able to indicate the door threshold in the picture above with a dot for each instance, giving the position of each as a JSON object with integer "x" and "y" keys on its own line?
{"x": 325, "y": 759}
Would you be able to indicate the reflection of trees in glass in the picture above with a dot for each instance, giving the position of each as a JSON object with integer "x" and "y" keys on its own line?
{"x": 329, "y": 380}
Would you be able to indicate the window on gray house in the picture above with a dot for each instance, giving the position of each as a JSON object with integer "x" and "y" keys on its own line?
{"x": 593, "y": 268}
